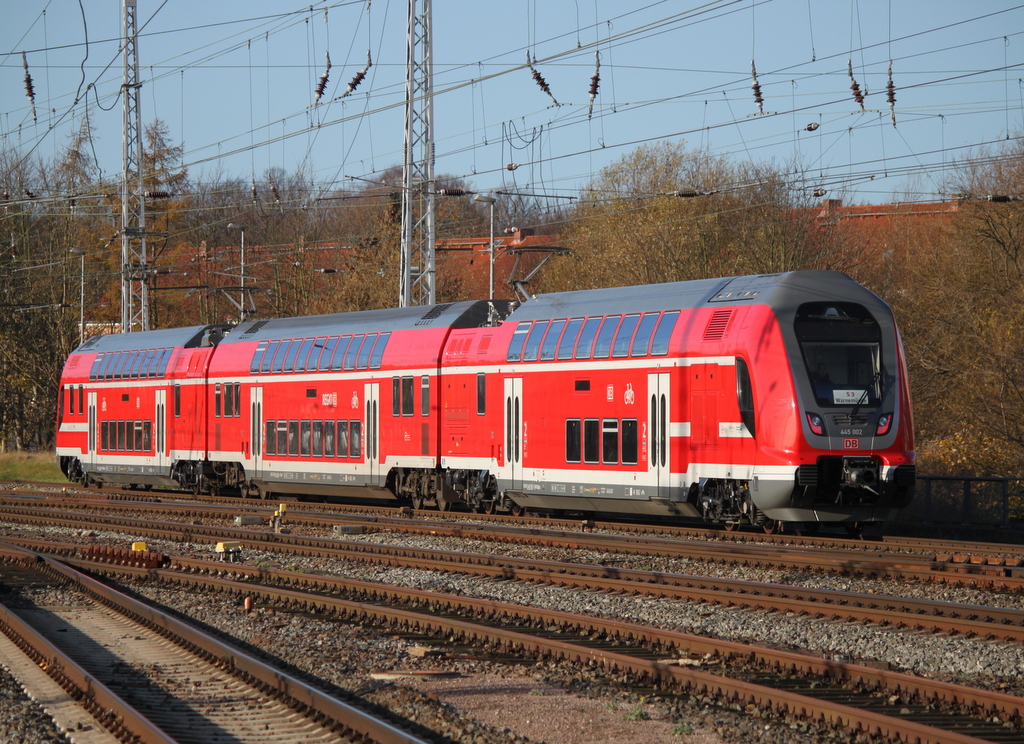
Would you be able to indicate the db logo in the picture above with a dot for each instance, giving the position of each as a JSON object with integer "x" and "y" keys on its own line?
{"x": 851, "y": 443}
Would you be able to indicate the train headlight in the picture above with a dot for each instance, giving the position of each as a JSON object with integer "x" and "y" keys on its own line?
{"x": 884, "y": 422}
{"x": 817, "y": 423}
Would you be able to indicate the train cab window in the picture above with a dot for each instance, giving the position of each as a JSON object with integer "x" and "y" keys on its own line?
{"x": 293, "y": 438}
{"x": 278, "y": 362}
{"x": 572, "y": 440}
{"x": 620, "y": 347}
{"x": 568, "y": 340}
{"x": 339, "y": 353}
{"x": 515, "y": 347}
{"x": 547, "y": 349}
{"x": 342, "y": 439}
{"x": 532, "y": 348}
{"x": 662, "y": 334}
{"x": 353, "y": 352}
{"x": 424, "y": 395}
{"x": 642, "y": 339}
{"x": 481, "y": 394}
{"x": 271, "y": 437}
{"x": 363, "y": 361}
{"x": 841, "y": 344}
{"x": 630, "y": 442}
{"x": 325, "y": 357}
{"x": 305, "y": 436}
{"x": 610, "y": 441}
{"x": 585, "y": 343}
{"x": 591, "y": 440}
{"x": 289, "y": 359}
{"x": 408, "y": 399}
{"x": 355, "y": 439}
{"x": 257, "y": 357}
{"x": 603, "y": 344}
{"x": 377, "y": 357}
{"x": 216, "y": 400}
{"x": 300, "y": 359}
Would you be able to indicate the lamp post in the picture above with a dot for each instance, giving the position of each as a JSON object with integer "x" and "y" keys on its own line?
{"x": 490, "y": 200}
{"x": 81, "y": 296}
{"x": 241, "y": 293}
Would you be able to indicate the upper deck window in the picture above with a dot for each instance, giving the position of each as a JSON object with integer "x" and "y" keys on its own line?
{"x": 642, "y": 339}
{"x": 568, "y": 342}
{"x": 659, "y": 344}
{"x": 257, "y": 357}
{"x": 547, "y": 349}
{"x": 532, "y": 348}
{"x": 377, "y": 357}
{"x": 603, "y": 345}
{"x": 585, "y": 343}
{"x": 515, "y": 347}
{"x": 620, "y": 347}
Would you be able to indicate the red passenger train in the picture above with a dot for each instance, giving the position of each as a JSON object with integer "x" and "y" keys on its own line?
{"x": 767, "y": 399}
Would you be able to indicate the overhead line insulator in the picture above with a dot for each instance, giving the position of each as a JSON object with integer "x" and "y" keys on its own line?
{"x": 595, "y": 83}
{"x": 758, "y": 98}
{"x": 357, "y": 78}
{"x": 322, "y": 85}
{"x": 30, "y": 90}
{"x": 539, "y": 79}
{"x": 854, "y": 87}
{"x": 890, "y": 95}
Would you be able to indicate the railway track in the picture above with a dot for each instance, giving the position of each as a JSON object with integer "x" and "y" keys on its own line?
{"x": 149, "y": 678}
{"x": 850, "y": 696}
{"x": 997, "y": 572}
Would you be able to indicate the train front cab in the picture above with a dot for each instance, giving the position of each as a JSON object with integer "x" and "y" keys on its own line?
{"x": 854, "y": 441}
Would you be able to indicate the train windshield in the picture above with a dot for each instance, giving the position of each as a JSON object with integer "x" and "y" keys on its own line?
{"x": 841, "y": 345}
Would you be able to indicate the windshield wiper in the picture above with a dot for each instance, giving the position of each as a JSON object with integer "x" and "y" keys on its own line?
{"x": 864, "y": 396}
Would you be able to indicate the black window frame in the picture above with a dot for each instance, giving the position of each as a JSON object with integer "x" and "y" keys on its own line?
{"x": 481, "y": 394}
{"x": 629, "y": 437}
{"x": 592, "y": 441}
{"x": 573, "y": 440}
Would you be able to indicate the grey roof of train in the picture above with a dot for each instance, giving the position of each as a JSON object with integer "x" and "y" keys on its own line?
{"x": 780, "y": 291}
{"x": 785, "y": 290}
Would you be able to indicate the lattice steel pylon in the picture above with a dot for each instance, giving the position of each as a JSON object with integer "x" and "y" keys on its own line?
{"x": 418, "y": 282}
{"x": 134, "y": 271}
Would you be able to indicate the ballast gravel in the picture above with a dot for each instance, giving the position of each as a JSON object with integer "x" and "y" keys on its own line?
{"x": 343, "y": 655}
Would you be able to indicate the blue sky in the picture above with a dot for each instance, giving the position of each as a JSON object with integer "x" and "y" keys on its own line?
{"x": 234, "y": 82}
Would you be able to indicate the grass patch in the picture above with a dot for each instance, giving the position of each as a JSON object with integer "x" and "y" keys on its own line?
{"x": 31, "y": 466}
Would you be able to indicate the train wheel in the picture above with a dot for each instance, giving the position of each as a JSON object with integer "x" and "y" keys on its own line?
{"x": 772, "y": 526}
{"x": 442, "y": 505}
{"x": 417, "y": 502}
{"x": 490, "y": 506}
{"x": 731, "y": 526}
{"x": 517, "y": 510}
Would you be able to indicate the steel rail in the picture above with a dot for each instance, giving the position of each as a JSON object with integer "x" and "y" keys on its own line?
{"x": 985, "y": 704}
{"x": 899, "y": 612}
{"x": 351, "y": 721}
{"x": 1001, "y": 578}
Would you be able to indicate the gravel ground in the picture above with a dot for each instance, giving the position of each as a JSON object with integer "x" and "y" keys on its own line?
{"x": 23, "y": 720}
{"x": 557, "y": 703}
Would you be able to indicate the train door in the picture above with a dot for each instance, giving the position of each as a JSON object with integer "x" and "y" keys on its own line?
{"x": 371, "y": 394}
{"x": 514, "y": 429}
{"x": 256, "y": 431}
{"x": 90, "y": 459}
{"x": 658, "y": 420}
{"x": 161, "y": 429}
